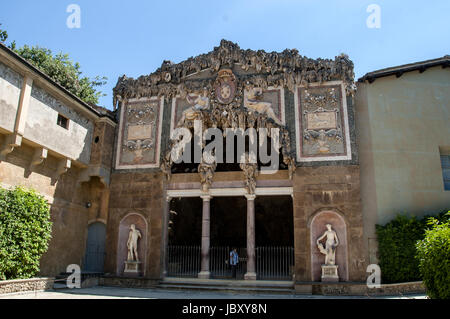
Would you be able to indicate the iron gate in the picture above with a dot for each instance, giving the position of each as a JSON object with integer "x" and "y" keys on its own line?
{"x": 272, "y": 263}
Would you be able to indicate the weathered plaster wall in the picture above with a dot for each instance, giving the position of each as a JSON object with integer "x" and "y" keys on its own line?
{"x": 401, "y": 123}
{"x": 41, "y": 127}
{"x": 68, "y": 212}
{"x": 10, "y": 86}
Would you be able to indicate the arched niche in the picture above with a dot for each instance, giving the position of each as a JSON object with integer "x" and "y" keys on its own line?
{"x": 317, "y": 227}
{"x": 122, "y": 251}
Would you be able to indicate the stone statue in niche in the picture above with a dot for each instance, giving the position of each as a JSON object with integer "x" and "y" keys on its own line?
{"x": 132, "y": 242}
{"x": 198, "y": 102}
{"x": 329, "y": 269}
{"x": 330, "y": 245}
{"x": 253, "y": 101}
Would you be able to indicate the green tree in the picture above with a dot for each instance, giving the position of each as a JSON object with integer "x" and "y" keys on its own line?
{"x": 3, "y": 35}
{"x": 433, "y": 254}
{"x": 25, "y": 231}
{"x": 61, "y": 69}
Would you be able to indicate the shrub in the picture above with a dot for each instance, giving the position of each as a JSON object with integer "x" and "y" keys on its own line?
{"x": 433, "y": 255}
{"x": 25, "y": 230}
{"x": 397, "y": 248}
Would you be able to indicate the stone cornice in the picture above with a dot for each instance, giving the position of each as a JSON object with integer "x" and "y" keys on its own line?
{"x": 263, "y": 69}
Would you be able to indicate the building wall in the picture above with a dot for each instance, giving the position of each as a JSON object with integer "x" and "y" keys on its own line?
{"x": 335, "y": 189}
{"x": 141, "y": 193}
{"x": 41, "y": 126}
{"x": 69, "y": 190}
{"x": 401, "y": 124}
{"x": 10, "y": 86}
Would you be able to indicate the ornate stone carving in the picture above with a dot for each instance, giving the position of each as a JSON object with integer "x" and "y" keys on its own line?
{"x": 250, "y": 169}
{"x": 206, "y": 172}
{"x": 197, "y": 102}
{"x": 322, "y": 123}
{"x": 253, "y": 101}
{"x": 225, "y": 86}
{"x": 132, "y": 243}
{"x": 329, "y": 269}
{"x": 330, "y": 245}
{"x": 287, "y": 68}
{"x": 140, "y": 132}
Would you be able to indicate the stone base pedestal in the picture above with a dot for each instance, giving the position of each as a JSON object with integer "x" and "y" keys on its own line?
{"x": 250, "y": 276}
{"x": 132, "y": 268}
{"x": 330, "y": 273}
{"x": 204, "y": 275}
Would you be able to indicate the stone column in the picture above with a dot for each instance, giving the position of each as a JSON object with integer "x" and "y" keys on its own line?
{"x": 165, "y": 241}
{"x": 251, "y": 269}
{"x": 206, "y": 235}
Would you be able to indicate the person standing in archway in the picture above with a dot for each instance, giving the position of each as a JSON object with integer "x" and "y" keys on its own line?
{"x": 234, "y": 260}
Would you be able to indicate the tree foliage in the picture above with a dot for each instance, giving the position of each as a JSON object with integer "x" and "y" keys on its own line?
{"x": 397, "y": 248}
{"x": 433, "y": 255}
{"x": 61, "y": 69}
{"x": 25, "y": 231}
{"x": 3, "y": 35}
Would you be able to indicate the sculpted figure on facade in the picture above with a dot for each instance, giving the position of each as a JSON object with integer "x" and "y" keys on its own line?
{"x": 253, "y": 101}
{"x": 206, "y": 172}
{"x": 198, "y": 103}
{"x": 132, "y": 243}
{"x": 250, "y": 168}
{"x": 331, "y": 243}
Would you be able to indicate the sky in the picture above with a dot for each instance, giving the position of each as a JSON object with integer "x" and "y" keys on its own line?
{"x": 134, "y": 37}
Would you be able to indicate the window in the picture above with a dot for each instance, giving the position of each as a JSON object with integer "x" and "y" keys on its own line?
{"x": 63, "y": 121}
{"x": 445, "y": 162}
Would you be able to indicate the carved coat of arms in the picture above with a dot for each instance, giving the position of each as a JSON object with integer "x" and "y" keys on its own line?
{"x": 225, "y": 86}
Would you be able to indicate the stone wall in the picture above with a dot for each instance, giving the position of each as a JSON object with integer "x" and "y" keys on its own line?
{"x": 141, "y": 193}
{"x": 328, "y": 188}
{"x": 68, "y": 211}
{"x": 21, "y": 285}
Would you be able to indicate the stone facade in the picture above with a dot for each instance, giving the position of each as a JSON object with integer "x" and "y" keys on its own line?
{"x": 117, "y": 168}
{"x": 334, "y": 189}
{"x": 138, "y": 193}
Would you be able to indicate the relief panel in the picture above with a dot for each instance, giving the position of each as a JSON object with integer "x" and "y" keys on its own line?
{"x": 140, "y": 133}
{"x": 322, "y": 130}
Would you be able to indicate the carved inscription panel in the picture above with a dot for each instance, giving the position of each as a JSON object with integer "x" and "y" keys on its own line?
{"x": 140, "y": 133}
{"x": 322, "y": 130}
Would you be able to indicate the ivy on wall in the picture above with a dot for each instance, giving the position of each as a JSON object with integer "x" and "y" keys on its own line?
{"x": 25, "y": 231}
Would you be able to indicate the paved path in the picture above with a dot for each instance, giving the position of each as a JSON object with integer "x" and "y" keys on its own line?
{"x": 135, "y": 293}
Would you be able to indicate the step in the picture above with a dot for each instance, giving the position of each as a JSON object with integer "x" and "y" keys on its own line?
{"x": 228, "y": 283}
{"x": 228, "y": 288}
{"x": 285, "y": 287}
